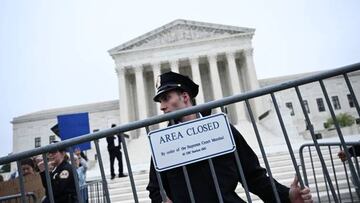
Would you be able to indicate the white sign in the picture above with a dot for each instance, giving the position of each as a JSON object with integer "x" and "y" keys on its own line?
{"x": 191, "y": 141}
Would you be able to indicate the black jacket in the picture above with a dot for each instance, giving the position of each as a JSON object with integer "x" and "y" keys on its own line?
{"x": 62, "y": 182}
{"x": 111, "y": 142}
{"x": 227, "y": 175}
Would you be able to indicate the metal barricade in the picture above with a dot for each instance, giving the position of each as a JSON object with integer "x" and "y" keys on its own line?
{"x": 347, "y": 189}
{"x": 244, "y": 97}
{"x": 93, "y": 192}
{"x": 29, "y": 196}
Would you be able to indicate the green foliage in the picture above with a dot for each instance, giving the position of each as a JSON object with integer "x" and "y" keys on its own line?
{"x": 343, "y": 119}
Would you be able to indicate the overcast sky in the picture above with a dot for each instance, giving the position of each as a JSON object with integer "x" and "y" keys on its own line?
{"x": 54, "y": 53}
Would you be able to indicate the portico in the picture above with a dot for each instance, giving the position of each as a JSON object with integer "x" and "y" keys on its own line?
{"x": 217, "y": 57}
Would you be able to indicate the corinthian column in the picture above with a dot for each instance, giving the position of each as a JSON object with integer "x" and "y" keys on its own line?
{"x": 174, "y": 66}
{"x": 157, "y": 72}
{"x": 235, "y": 85}
{"x": 195, "y": 69}
{"x": 252, "y": 80}
{"x": 215, "y": 78}
{"x": 123, "y": 106}
{"x": 140, "y": 89}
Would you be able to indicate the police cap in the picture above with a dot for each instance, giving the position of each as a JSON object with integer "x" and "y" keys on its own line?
{"x": 171, "y": 81}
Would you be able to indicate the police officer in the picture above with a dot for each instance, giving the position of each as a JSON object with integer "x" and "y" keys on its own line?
{"x": 61, "y": 175}
{"x": 114, "y": 148}
{"x": 174, "y": 92}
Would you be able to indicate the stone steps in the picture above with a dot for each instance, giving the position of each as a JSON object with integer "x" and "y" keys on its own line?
{"x": 281, "y": 167}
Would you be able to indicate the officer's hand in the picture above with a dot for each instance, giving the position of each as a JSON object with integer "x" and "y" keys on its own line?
{"x": 342, "y": 155}
{"x": 168, "y": 200}
{"x": 298, "y": 195}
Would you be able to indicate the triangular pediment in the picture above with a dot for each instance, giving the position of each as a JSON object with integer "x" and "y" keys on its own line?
{"x": 180, "y": 31}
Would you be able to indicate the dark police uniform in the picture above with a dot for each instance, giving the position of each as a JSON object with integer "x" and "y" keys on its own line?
{"x": 228, "y": 177}
{"x": 225, "y": 166}
{"x": 62, "y": 182}
{"x": 114, "y": 146}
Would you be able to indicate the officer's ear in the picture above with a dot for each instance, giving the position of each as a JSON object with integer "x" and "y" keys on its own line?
{"x": 186, "y": 97}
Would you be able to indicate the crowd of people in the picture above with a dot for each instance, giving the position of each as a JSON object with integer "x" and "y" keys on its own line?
{"x": 61, "y": 174}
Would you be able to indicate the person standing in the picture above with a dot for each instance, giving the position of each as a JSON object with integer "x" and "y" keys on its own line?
{"x": 61, "y": 175}
{"x": 114, "y": 148}
{"x": 175, "y": 92}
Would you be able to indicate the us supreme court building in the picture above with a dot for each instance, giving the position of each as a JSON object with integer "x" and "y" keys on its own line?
{"x": 217, "y": 57}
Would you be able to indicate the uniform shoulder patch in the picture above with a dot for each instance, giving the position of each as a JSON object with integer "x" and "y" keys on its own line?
{"x": 64, "y": 174}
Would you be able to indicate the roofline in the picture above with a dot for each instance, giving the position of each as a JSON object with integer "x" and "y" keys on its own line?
{"x": 52, "y": 113}
{"x": 178, "y": 22}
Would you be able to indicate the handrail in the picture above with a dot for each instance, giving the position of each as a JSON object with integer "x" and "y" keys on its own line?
{"x": 165, "y": 117}
{"x": 9, "y": 197}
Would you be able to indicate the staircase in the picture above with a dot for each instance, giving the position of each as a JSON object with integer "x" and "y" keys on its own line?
{"x": 281, "y": 167}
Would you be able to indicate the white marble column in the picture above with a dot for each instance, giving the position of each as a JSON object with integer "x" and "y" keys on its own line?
{"x": 250, "y": 69}
{"x": 252, "y": 81}
{"x": 235, "y": 85}
{"x": 140, "y": 89}
{"x": 123, "y": 98}
{"x": 174, "y": 66}
{"x": 215, "y": 78}
{"x": 157, "y": 71}
{"x": 195, "y": 69}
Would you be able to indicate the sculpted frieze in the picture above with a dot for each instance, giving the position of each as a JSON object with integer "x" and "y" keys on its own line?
{"x": 180, "y": 33}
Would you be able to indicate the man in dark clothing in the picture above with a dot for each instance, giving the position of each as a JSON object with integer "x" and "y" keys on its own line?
{"x": 174, "y": 92}
{"x": 114, "y": 148}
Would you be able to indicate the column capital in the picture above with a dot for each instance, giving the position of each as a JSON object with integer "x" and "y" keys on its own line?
{"x": 174, "y": 62}
{"x": 156, "y": 65}
{"x": 248, "y": 52}
{"x": 138, "y": 68}
{"x": 174, "y": 65}
{"x": 194, "y": 59}
{"x": 212, "y": 58}
{"x": 230, "y": 54}
{"x": 119, "y": 70}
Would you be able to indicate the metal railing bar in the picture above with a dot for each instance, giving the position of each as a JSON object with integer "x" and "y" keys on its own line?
{"x": 131, "y": 176}
{"x": 288, "y": 144}
{"x": 330, "y": 144}
{"x": 75, "y": 175}
{"x": 240, "y": 168}
{"x": 356, "y": 163}
{"x": 340, "y": 135}
{"x": 312, "y": 133}
{"x": 277, "y": 198}
{"x": 186, "y": 175}
{"x": 158, "y": 176}
{"x": 98, "y": 193}
{"x": 314, "y": 173}
{"x": 10, "y": 197}
{"x": 21, "y": 182}
{"x": 103, "y": 177}
{"x": 327, "y": 189}
{"x": 348, "y": 182}
{"x": 334, "y": 171}
{"x": 48, "y": 179}
{"x": 216, "y": 183}
{"x": 348, "y": 83}
{"x": 302, "y": 161}
{"x": 188, "y": 185}
{"x": 176, "y": 114}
